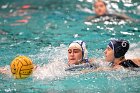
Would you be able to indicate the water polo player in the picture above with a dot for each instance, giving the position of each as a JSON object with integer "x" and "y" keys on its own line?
{"x": 115, "y": 53}
{"x": 102, "y": 14}
{"x": 78, "y": 55}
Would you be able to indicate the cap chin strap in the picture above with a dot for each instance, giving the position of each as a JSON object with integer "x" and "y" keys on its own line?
{"x": 112, "y": 63}
{"x": 112, "y": 45}
{"x": 81, "y": 43}
{"x": 80, "y": 60}
{"x": 84, "y": 60}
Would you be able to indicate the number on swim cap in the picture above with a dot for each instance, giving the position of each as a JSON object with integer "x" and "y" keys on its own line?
{"x": 124, "y": 43}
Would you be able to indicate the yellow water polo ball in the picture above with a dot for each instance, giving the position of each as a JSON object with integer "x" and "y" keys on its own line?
{"x": 21, "y": 67}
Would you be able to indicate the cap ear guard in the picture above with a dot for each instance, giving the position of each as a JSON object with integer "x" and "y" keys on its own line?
{"x": 82, "y": 50}
{"x": 120, "y": 47}
{"x": 80, "y": 42}
{"x": 118, "y": 52}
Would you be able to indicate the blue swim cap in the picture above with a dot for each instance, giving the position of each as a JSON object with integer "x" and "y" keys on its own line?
{"x": 120, "y": 47}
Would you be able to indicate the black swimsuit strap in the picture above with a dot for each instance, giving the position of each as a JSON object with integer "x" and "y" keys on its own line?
{"x": 111, "y": 15}
{"x": 128, "y": 63}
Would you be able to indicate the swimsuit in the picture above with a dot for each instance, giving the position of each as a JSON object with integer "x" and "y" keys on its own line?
{"x": 128, "y": 63}
{"x": 82, "y": 66}
{"x": 107, "y": 17}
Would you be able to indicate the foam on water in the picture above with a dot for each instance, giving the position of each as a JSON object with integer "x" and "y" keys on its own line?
{"x": 59, "y": 22}
{"x": 56, "y": 63}
{"x": 50, "y": 71}
{"x": 134, "y": 51}
{"x": 52, "y": 62}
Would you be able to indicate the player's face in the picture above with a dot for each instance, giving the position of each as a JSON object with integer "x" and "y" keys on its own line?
{"x": 74, "y": 56}
{"x": 100, "y": 8}
{"x": 109, "y": 54}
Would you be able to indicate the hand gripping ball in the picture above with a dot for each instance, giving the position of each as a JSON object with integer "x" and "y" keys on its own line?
{"x": 21, "y": 67}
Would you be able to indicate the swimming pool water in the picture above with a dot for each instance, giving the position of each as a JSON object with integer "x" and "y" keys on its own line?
{"x": 43, "y": 33}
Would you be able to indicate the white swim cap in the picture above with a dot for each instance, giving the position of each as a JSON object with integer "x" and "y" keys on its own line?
{"x": 82, "y": 46}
